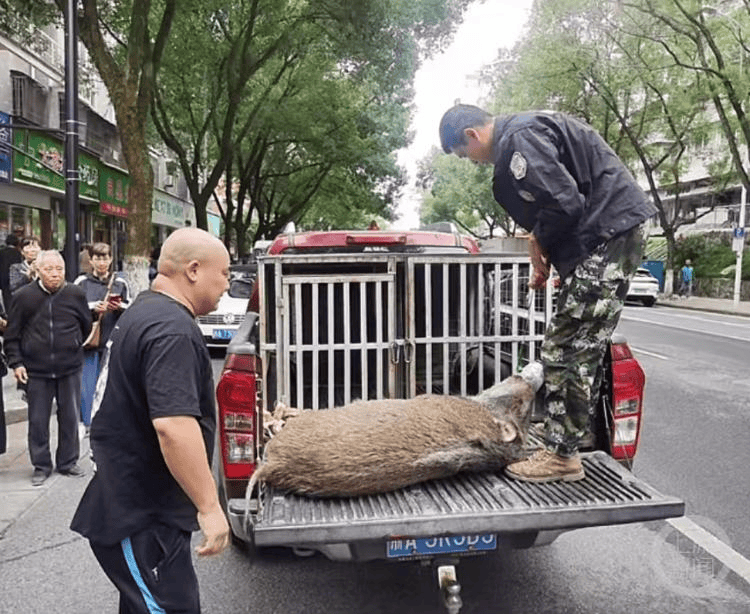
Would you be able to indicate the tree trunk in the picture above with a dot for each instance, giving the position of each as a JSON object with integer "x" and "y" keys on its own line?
{"x": 140, "y": 198}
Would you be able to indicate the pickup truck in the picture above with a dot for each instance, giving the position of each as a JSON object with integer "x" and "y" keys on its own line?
{"x": 346, "y": 315}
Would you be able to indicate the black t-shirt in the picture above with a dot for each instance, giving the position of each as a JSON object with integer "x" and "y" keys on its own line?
{"x": 157, "y": 365}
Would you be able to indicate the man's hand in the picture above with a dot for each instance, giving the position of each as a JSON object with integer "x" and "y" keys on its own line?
{"x": 215, "y": 532}
{"x": 20, "y": 374}
{"x": 540, "y": 264}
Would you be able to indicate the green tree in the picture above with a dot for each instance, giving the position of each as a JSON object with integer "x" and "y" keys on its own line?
{"x": 461, "y": 192}
{"x": 220, "y": 103}
{"x": 607, "y": 65}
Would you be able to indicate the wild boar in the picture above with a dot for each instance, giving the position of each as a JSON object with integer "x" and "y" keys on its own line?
{"x": 369, "y": 447}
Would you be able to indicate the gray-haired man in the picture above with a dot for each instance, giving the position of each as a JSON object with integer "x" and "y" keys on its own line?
{"x": 48, "y": 321}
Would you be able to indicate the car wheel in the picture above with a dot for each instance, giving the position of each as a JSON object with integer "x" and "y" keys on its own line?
{"x": 649, "y": 301}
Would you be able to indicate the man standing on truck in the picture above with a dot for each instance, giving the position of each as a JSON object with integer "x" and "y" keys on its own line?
{"x": 558, "y": 179}
{"x": 152, "y": 435}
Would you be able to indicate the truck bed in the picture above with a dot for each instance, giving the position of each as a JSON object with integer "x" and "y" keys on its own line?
{"x": 463, "y": 504}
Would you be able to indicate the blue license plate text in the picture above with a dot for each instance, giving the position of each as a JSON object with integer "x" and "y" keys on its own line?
{"x": 425, "y": 546}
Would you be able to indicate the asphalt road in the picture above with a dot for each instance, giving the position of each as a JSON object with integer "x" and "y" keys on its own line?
{"x": 697, "y": 418}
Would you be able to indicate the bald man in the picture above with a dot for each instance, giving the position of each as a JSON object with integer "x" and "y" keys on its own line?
{"x": 152, "y": 435}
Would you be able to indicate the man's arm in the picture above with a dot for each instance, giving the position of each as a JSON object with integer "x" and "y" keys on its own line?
{"x": 539, "y": 263}
{"x": 183, "y": 449}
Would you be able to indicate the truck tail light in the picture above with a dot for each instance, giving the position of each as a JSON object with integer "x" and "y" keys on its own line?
{"x": 236, "y": 395}
{"x": 628, "y": 383}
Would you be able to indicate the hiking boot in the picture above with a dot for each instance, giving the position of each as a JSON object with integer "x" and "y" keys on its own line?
{"x": 546, "y": 466}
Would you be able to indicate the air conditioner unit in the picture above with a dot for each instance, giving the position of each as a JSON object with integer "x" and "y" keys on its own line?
{"x": 169, "y": 181}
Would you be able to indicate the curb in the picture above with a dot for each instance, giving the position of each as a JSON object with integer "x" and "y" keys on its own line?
{"x": 16, "y": 414}
{"x": 706, "y": 308}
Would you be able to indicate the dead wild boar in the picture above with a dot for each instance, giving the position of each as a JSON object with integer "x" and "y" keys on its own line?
{"x": 370, "y": 447}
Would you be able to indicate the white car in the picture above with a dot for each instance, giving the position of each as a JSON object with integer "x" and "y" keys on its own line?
{"x": 644, "y": 287}
{"x": 219, "y": 326}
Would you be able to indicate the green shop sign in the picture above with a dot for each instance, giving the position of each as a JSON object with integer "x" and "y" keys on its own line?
{"x": 38, "y": 160}
{"x": 113, "y": 191}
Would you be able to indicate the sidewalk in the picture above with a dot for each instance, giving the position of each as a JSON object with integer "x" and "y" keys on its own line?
{"x": 701, "y": 303}
{"x": 18, "y": 495}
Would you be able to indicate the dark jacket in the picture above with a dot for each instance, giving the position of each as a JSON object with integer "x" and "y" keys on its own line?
{"x": 556, "y": 177}
{"x": 8, "y": 255}
{"x": 96, "y": 290}
{"x": 45, "y": 331}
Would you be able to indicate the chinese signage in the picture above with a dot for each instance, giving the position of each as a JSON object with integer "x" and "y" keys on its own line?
{"x": 6, "y": 164}
{"x": 43, "y": 165}
{"x": 113, "y": 191}
{"x": 167, "y": 210}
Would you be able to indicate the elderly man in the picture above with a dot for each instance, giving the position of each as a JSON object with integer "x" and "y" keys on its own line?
{"x": 48, "y": 321}
{"x": 558, "y": 179}
{"x": 152, "y": 435}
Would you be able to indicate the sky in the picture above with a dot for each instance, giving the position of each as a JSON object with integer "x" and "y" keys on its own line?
{"x": 487, "y": 27}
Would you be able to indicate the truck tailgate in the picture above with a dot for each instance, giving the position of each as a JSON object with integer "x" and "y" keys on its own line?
{"x": 465, "y": 504}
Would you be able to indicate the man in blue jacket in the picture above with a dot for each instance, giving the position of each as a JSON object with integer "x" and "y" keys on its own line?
{"x": 48, "y": 321}
{"x": 558, "y": 179}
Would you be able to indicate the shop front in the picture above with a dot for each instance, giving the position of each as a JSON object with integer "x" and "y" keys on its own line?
{"x": 169, "y": 213}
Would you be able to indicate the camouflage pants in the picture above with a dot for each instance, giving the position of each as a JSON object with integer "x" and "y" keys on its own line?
{"x": 588, "y": 309}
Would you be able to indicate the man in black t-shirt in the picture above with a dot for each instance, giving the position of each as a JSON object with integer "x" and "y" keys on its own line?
{"x": 152, "y": 435}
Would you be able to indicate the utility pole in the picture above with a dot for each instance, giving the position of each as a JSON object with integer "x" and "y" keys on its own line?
{"x": 72, "y": 179}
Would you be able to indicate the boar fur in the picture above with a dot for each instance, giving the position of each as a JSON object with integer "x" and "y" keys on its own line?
{"x": 370, "y": 447}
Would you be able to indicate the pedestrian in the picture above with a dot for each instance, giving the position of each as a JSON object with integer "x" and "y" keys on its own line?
{"x": 558, "y": 179}
{"x": 686, "y": 279}
{"x": 152, "y": 435}
{"x": 153, "y": 263}
{"x": 47, "y": 323}
{"x": 24, "y": 272}
{"x": 10, "y": 254}
{"x": 84, "y": 260}
{"x": 107, "y": 295}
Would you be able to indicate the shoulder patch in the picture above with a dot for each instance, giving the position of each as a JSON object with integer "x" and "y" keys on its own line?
{"x": 518, "y": 166}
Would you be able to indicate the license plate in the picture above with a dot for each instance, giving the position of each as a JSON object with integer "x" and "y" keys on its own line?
{"x": 222, "y": 333}
{"x": 425, "y": 546}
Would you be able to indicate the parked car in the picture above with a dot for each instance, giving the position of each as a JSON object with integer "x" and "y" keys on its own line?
{"x": 644, "y": 287}
{"x": 219, "y": 326}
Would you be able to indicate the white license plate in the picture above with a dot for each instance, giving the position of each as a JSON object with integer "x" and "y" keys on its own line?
{"x": 425, "y": 546}
{"x": 222, "y": 333}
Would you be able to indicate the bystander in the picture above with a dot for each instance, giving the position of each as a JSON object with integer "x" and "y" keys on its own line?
{"x": 47, "y": 324}
{"x": 107, "y": 295}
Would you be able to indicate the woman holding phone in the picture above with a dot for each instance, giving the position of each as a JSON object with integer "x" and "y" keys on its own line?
{"x": 108, "y": 295}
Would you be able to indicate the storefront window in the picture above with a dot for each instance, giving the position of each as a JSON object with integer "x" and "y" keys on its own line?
{"x": 60, "y": 233}
{"x": 4, "y": 223}
{"x": 19, "y": 221}
{"x": 101, "y": 229}
{"x": 36, "y": 224}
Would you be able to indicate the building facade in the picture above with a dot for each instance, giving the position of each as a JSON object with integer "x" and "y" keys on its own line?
{"x": 32, "y": 187}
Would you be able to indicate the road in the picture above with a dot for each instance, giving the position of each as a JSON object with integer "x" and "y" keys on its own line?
{"x": 697, "y": 422}
{"x": 631, "y": 569}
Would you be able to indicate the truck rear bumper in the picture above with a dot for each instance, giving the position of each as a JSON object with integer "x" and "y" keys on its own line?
{"x": 464, "y": 504}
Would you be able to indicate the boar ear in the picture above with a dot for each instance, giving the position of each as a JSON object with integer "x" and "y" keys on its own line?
{"x": 508, "y": 430}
